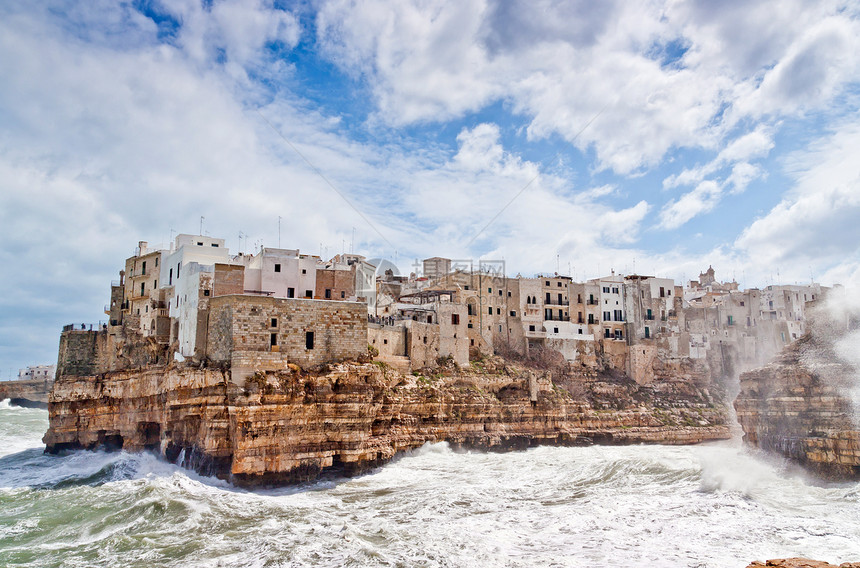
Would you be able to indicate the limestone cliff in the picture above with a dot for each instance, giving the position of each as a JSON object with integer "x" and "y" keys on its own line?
{"x": 292, "y": 425}
{"x": 797, "y": 406}
{"x": 30, "y": 393}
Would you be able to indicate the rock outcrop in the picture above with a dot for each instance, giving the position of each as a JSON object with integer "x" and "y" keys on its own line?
{"x": 31, "y": 393}
{"x": 292, "y": 425}
{"x": 797, "y": 406}
{"x": 801, "y": 563}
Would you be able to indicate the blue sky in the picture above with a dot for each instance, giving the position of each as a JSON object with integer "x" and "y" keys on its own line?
{"x": 668, "y": 136}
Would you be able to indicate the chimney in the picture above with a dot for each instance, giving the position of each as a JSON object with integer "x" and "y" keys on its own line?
{"x": 141, "y": 245}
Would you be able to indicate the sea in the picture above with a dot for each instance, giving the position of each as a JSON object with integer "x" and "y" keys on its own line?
{"x": 715, "y": 505}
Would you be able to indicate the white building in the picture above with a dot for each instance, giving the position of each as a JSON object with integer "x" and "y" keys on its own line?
{"x": 37, "y": 372}
{"x": 281, "y": 273}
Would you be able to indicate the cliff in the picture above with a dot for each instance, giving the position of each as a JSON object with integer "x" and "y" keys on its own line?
{"x": 797, "y": 406}
{"x": 801, "y": 563}
{"x": 291, "y": 425}
{"x": 32, "y": 394}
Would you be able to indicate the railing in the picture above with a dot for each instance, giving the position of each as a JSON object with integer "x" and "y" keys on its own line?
{"x": 557, "y": 318}
{"x": 85, "y": 326}
{"x": 649, "y": 318}
{"x": 592, "y": 302}
{"x": 115, "y": 283}
{"x": 555, "y": 303}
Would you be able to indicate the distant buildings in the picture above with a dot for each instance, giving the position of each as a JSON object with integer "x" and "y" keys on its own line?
{"x": 198, "y": 304}
{"x": 37, "y": 372}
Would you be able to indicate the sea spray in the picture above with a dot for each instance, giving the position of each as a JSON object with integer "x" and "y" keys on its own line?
{"x": 709, "y": 505}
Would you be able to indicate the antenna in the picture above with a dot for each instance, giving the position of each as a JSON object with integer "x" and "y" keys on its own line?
{"x": 352, "y": 244}
{"x": 279, "y": 231}
{"x": 201, "y": 225}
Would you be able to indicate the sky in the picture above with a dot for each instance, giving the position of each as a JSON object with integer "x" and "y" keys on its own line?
{"x": 576, "y": 137}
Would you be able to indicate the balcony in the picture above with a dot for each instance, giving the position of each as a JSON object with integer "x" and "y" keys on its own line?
{"x": 555, "y": 302}
{"x": 592, "y": 302}
{"x": 557, "y": 318}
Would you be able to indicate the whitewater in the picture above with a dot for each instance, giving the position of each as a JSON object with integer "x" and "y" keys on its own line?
{"x": 717, "y": 505}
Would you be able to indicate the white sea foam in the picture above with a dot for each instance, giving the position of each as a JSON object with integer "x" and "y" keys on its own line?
{"x": 710, "y": 505}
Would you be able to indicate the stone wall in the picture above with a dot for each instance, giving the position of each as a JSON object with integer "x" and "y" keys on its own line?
{"x": 229, "y": 279}
{"x": 83, "y": 353}
{"x": 339, "y": 283}
{"x": 283, "y": 326}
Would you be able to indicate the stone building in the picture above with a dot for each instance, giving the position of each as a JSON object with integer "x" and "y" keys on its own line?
{"x": 258, "y": 333}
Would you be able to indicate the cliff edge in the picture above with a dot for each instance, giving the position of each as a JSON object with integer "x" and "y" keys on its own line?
{"x": 292, "y": 425}
{"x": 798, "y": 406}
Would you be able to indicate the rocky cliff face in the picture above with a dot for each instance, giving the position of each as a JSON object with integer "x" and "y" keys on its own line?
{"x": 33, "y": 393}
{"x": 292, "y": 425}
{"x": 797, "y": 406}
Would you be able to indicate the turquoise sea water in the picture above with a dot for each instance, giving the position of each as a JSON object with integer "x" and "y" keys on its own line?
{"x": 714, "y": 505}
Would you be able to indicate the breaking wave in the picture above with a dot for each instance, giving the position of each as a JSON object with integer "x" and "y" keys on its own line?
{"x": 710, "y": 505}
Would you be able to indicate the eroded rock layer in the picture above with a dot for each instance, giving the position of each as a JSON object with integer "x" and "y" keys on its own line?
{"x": 798, "y": 407}
{"x": 292, "y": 425}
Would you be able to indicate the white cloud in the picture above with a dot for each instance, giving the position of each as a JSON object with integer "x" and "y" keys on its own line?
{"x": 815, "y": 225}
{"x": 431, "y": 61}
{"x": 702, "y": 199}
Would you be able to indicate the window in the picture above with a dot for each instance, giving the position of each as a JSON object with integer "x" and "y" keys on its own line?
{"x": 498, "y": 311}
{"x": 328, "y": 293}
{"x": 489, "y": 290}
{"x": 531, "y": 328}
{"x": 662, "y": 292}
{"x": 500, "y": 329}
{"x": 309, "y": 340}
{"x": 509, "y": 294}
{"x": 342, "y": 294}
{"x": 273, "y": 339}
{"x": 455, "y": 319}
{"x": 513, "y": 313}
{"x": 199, "y": 244}
{"x": 615, "y": 290}
{"x": 619, "y": 316}
{"x": 291, "y": 292}
{"x": 606, "y": 316}
{"x": 206, "y": 293}
{"x": 500, "y": 292}
{"x": 742, "y": 304}
{"x": 143, "y": 270}
{"x": 143, "y": 288}
{"x": 559, "y": 299}
{"x": 555, "y": 330}
{"x": 309, "y": 293}
{"x": 277, "y": 267}
{"x": 606, "y": 289}
{"x": 559, "y": 284}
{"x": 647, "y": 332}
{"x": 490, "y": 311}
{"x": 425, "y": 340}
{"x": 385, "y": 342}
{"x": 304, "y": 271}
{"x": 215, "y": 245}
{"x": 579, "y": 331}
{"x": 548, "y": 298}
{"x": 470, "y": 309}
{"x": 429, "y": 319}
{"x": 170, "y": 278}
{"x": 274, "y": 322}
{"x": 547, "y": 282}
{"x": 156, "y": 261}
{"x": 607, "y": 333}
